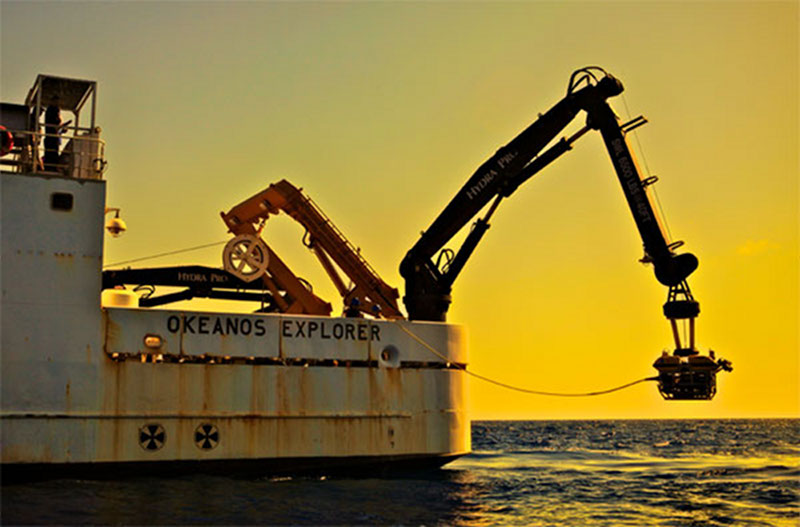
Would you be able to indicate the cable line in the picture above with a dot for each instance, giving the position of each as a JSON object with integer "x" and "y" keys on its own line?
{"x": 420, "y": 341}
{"x": 517, "y": 388}
{"x": 179, "y": 251}
{"x": 647, "y": 170}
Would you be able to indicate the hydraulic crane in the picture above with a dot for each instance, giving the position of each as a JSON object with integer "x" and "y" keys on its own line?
{"x": 429, "y": 269}
{"x": 367, "y": 293}
{"x": 253, "y": 272}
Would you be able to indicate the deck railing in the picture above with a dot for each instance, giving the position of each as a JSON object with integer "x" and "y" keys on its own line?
{"x": 82, "y": 155}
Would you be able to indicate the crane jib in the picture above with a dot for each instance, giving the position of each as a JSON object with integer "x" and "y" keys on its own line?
{"x": 493, "y": 176}
{"x": 513, "y": 164}
{"x": 486, "y": 179}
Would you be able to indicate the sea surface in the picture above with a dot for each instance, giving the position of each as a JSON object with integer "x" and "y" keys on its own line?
{"x": 577, "y": 473}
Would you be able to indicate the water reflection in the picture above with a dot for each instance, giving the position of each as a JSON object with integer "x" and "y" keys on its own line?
{"x": 527, "y": 474}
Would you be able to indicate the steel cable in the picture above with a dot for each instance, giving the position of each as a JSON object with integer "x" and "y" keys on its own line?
{"x": 170, "y": 253}
{"x": 647, "y": 171}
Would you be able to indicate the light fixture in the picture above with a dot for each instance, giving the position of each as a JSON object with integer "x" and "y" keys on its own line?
{"x": 153, "y": 341}
{"x": 115, "y": 226}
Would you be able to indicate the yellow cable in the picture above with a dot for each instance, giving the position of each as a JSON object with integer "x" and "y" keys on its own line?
{"x": 516, "y": 388}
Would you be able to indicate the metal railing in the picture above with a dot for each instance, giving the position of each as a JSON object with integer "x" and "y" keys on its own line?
{"x": 339, "y": 236}
{"x": 82, "y": 155}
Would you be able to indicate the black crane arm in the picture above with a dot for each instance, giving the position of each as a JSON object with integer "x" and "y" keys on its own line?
{"x": 497, "y": 175}
{"x": 428, "y": 283}
{"x": 670, "y": 269}
{"x": 684, "y": 374}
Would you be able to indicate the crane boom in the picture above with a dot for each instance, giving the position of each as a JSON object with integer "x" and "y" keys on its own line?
{"x": 429, "y": 278}
{"x": 428, "y": 283}
{"x": 368, "y": 294}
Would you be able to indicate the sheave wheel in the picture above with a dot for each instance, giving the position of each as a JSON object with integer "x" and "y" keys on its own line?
{"x": 246, "y": 257}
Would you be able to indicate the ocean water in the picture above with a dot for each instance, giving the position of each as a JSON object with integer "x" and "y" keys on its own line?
{"x": 577, "y": 473}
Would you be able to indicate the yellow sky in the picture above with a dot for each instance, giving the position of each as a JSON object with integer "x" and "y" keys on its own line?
{"x": 381, "y": 111}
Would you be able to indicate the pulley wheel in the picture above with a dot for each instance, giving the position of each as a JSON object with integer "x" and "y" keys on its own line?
{"x": 246, "y": 257}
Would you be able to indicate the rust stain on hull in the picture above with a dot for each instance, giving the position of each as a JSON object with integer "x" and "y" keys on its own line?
{"x": 302, "y": 409}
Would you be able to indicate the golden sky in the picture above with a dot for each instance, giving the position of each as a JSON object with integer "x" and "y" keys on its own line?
{"x": 381, "y": 111}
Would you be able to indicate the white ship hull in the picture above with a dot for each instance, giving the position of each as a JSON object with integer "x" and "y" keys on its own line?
{"x": 86, "y": 387}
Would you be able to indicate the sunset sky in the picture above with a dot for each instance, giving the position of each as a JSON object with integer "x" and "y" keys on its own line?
{"x": 381, "y": 111}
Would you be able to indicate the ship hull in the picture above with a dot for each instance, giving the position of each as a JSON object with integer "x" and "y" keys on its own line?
{"x": 92, "y": 389}
{"x": 347, "y": 466}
